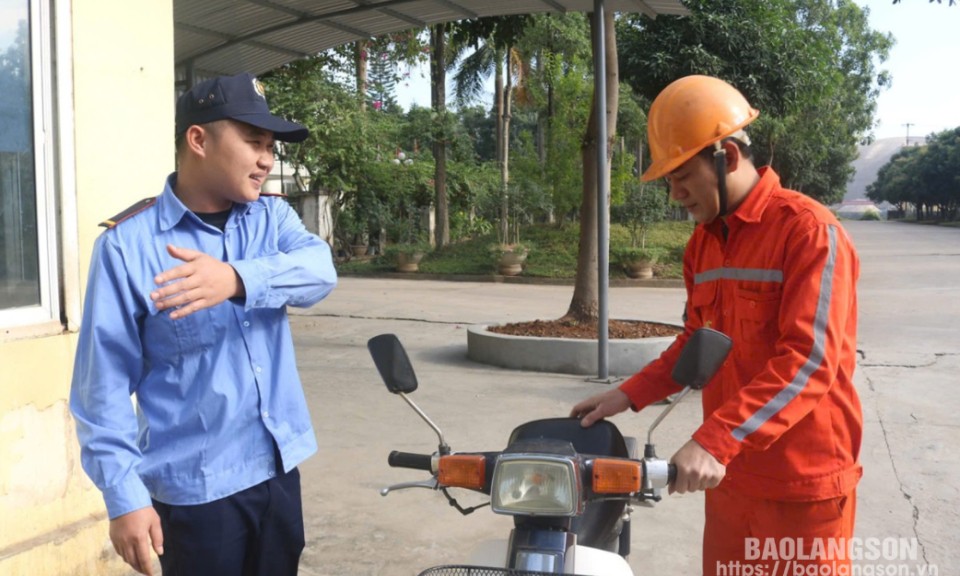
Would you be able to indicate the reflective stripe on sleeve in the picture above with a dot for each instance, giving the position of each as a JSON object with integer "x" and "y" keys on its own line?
{"x": 813, "y": 361}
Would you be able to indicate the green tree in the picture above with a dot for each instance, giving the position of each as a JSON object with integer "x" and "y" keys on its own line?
{"x": 480, "y": 129}
{"x": 494, "y": 52}
{"x": 807, "y": 65}
{"x": 382, "y": 80}
{"x": 940, "y": 173}
{"x": 306, "y": 92}
{"x": 584, "y": 305}
{"x": 896, "y": 180}
{"x": 926, "y": 176}
{"x": 952, "y": 2}
{"x": 643, "y": 206}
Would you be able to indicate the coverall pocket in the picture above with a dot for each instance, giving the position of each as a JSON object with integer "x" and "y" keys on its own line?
{"x": 702, "y": 305}
{"x": 758, "y": 314}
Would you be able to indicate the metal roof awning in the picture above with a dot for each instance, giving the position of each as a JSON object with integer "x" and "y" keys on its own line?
{"x": 214, "y": 37}
{"x": 221, "y": 37}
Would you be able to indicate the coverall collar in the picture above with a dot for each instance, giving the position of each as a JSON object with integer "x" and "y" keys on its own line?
{"x": 753, "y": 206}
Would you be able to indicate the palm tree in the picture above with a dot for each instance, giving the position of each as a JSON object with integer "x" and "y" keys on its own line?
{"x": 494, "y": 42}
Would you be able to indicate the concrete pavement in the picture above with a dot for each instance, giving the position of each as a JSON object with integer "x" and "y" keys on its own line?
{"x": 910, "y": 346}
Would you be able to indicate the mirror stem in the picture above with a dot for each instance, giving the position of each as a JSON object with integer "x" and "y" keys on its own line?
{"x": 686, "y": 390}
{"x": 444, "y": 449}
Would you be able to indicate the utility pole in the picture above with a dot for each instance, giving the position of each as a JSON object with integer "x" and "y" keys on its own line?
{"x": 908, "y": 125}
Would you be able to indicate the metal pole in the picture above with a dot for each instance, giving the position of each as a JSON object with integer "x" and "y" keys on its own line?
{"x": 603, "y": 233}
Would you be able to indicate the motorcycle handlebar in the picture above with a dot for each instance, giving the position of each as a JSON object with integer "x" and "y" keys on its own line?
{"x": 671, "y": 473}
{"x": 408, "y": 460}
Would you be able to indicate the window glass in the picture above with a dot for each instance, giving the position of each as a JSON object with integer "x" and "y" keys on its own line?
{"x": 19, "y": 242}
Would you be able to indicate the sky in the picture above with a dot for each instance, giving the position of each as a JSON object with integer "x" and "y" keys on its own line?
{"x": 11, "y": 13}
{"x": 924, "y": 64}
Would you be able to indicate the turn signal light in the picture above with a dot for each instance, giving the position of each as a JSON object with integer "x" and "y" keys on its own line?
{"x": 616, "y": 476}
{"x": 463, "y": 471}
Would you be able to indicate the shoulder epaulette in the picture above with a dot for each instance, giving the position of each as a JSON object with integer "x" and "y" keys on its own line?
{"x": 278, "y": 194}
{"x": 129, "y": 212}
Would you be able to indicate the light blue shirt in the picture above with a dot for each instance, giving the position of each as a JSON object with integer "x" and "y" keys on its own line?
{"x": 215, "y": 389}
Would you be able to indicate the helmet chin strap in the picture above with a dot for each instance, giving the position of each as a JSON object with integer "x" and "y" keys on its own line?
{"x": 720, "y": 161}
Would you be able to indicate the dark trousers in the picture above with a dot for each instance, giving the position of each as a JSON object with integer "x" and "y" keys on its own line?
{"x": 256, "y": 532}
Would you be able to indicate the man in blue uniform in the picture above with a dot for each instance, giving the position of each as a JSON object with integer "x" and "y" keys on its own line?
{"x": 186, "y": 309}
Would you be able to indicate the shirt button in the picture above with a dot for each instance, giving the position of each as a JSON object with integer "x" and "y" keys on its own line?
{"x": 266, "y": 414}
{"x": 258, "y": 369}
{"x": 246, "y": 324}
{"x": 271, "y": 473}
{"x": 753, "y": 304}
{"x": 726, "y": 262}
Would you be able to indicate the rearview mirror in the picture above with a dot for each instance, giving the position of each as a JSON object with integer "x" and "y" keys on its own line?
{"x": 393, "y": 363}
{"x": 701, "y": 357}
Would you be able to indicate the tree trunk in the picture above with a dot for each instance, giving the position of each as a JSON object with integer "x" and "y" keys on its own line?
{"x": 438, "y": 80}
{"x": 360, "y": 63}
{"x": 585, "y": 303}
{"x": 639, "y": 157}
{"x": 498, "y": 90}
{"x": 507, "y": 238}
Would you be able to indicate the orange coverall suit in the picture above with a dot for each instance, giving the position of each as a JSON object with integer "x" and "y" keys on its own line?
{"x": 782, "y": 413}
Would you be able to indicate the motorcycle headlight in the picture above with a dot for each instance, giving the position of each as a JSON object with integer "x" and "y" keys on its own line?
{"x": 540, "y": 486}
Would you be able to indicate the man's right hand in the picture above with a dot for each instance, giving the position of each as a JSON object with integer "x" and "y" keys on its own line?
{"x": 133, "y": 533}
{"x": 600, "y": 406}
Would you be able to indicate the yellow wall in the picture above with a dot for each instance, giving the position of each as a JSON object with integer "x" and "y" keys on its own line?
{"x": 52, "y": 519}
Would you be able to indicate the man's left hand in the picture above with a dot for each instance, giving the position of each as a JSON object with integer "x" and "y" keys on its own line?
{"x": 697, "y": 469}
{"x": 201, "y": 282}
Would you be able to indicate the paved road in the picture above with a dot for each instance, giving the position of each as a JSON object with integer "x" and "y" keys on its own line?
{"x": 910, "y": 343}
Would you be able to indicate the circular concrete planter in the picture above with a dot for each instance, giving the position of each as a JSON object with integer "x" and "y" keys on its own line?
{"x": 564, "y": 355}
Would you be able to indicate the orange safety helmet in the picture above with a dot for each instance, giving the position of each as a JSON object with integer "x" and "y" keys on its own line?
{"x": 690, "y": 114}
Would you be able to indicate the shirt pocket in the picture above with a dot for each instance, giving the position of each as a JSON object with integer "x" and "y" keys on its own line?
{"x": 758, "y": 316}
{"x": 197, "y": 332}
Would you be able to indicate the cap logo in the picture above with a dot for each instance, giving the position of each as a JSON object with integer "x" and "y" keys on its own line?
{"x": 258, "y": 88}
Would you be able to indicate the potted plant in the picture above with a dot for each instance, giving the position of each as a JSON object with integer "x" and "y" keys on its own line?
{"x": 406, "y": 256}
{"x": 408, "y": 244}
{"x": 510, "y": 258}
{"x": 643, "y": 207}
{"x": 354, "y": 231}
{"x": 637, "y": 262}
{"x": 509, "y": 254}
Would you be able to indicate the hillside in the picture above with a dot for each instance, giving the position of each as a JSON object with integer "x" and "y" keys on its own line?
{"x": 871, "y": 158}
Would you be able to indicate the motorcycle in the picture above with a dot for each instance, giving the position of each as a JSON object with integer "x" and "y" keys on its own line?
{"x": 568, "y": 488}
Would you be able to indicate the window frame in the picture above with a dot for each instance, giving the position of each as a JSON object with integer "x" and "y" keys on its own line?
{"x": 52, "y": 123}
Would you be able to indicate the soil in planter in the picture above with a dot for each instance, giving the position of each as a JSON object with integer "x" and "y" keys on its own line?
{"x": 618, "y": 329}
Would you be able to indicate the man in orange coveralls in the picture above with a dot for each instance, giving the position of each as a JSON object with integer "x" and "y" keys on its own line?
{"x": 778, "y": 451}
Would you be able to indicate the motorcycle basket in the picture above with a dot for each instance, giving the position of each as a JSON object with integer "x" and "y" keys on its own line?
{"x": 478, "y": 571}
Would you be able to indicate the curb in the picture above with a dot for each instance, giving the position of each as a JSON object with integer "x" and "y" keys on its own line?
{"x": 562, "y": 355}
{"x": 498, "y": 279}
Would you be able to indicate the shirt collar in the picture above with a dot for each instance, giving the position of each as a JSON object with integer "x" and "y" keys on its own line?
{"x": 172, "y": 210}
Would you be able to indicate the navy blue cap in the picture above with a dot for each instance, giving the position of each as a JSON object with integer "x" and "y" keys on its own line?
{"x": 240, "y": 98}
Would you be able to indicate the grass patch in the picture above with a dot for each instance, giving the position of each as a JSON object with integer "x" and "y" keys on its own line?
{"x": 553, "y": 253}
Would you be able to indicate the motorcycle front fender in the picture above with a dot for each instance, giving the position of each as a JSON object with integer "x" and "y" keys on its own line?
{"x": 586, "y": 561}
